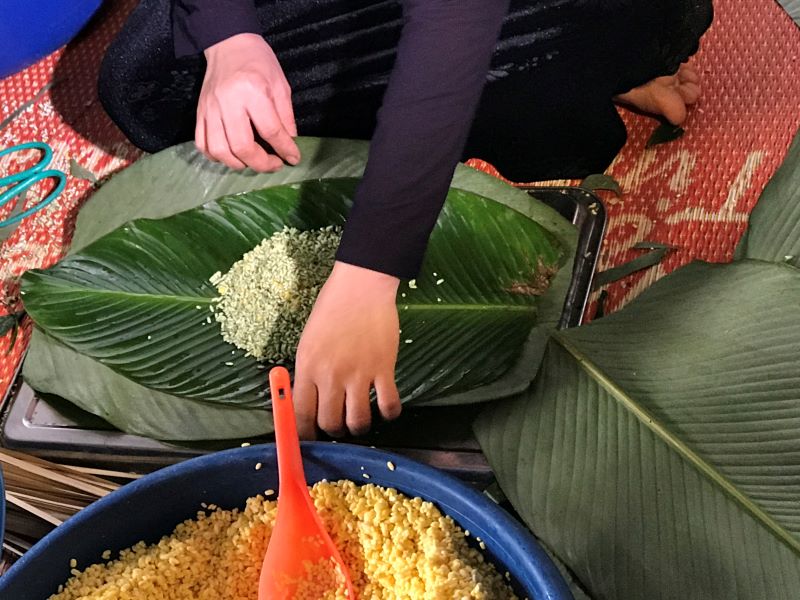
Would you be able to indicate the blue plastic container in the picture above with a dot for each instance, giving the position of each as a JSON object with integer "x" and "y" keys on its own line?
{"x": 2, "y": 508}
{"x": 32, "y": 29}
{"x": 152, "y": 506}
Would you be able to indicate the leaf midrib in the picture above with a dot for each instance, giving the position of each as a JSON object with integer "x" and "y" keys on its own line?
{"x": 411, "y": 306}
{"x": 705, "y": 468}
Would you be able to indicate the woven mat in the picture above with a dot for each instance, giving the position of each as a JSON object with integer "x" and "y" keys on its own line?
{"x": 694, "y": 193}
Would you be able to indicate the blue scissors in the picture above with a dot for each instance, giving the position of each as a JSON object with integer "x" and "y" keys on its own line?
{"x": 22, "y": 181}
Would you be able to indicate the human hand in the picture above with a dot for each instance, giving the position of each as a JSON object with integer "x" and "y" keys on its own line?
{"x": 245, "y": 87}
{"x": 349, "y": 344}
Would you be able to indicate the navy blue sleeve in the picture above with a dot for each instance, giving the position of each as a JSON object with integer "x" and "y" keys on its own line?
{"x": 442, "y": 62}
{"x": 198, "y": 24}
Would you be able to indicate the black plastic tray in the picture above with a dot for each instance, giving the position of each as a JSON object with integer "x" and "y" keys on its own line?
{"x": 52, "y": 428}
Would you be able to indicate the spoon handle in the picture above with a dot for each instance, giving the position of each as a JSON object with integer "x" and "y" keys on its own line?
{"x": 290, "y": 463}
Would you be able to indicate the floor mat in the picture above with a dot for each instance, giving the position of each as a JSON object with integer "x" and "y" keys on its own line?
{"x": 694, "y": 193}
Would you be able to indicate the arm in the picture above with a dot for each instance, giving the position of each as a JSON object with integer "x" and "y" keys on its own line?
{"x": 443, "y": 57}
{"x": 244, "y": 86}
{"x": 199, "y": 24}
{"x": 351, "y": 339}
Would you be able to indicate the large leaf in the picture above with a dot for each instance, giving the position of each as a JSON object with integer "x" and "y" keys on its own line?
{"x": 773, "y": 232}
{"x": 187, "y": 179}
{"x": 131, "y": 407}
{"x": 137, "y": 300}
{"x": 793, "y": 8}
{"x": 179, "y": 178}
{"x": 658, "y": 452}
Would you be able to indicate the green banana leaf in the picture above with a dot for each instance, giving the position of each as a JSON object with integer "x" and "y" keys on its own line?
{"x": 130, "y": 406}
{"x": 657, "y": 452}
{"x": 184, "y": 176}
{"x": 138, "y": 300}
{"x": 793, "y": 8}
{"x": 773, "y": 232}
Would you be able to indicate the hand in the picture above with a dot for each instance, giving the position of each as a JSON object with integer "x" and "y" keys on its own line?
{"x": 349, "y": 345}
{"x": 245, "y": 87}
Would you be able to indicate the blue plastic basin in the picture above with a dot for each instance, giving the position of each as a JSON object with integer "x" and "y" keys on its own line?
{"x": 152, "y": 506}
{"x": 32, "y": 29}
{"x": 2, "y": 507}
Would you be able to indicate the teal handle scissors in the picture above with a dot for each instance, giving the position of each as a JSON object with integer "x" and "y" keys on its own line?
{"x": 20, "y": 182}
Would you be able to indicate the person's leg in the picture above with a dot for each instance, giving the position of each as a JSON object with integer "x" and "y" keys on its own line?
{"x": 546, "y": 112}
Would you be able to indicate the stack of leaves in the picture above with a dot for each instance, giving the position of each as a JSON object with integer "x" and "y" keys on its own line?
{"x": 124, "y": 327}
{"x": 658, "y": 451}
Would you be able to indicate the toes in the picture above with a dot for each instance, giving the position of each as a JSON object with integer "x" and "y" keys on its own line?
{"x": 690, "y": 92}
{"x": 688, "y": 74}
{"x": 672, "y": 107}
{"x": 665, "y": 81}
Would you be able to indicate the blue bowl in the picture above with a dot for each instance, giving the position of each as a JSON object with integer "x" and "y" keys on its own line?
{"x": 152, "y": 506}
{"x": 2, "y": 508}
{"x": 32, "y": 29}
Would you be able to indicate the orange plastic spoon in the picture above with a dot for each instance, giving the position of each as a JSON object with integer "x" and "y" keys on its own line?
{"x": 299, "y": 537}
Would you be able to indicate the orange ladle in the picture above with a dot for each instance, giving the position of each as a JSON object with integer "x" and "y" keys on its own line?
{"x": 299, "y": 537}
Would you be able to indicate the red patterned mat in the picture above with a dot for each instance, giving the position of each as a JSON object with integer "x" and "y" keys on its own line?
{"x": 695, "y": 193}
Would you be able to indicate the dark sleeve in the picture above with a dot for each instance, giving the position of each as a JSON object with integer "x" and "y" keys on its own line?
{"x": 198, "y": 24}
{"x": 442, "y": 61}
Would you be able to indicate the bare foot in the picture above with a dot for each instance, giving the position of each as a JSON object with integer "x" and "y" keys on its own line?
{"x": 666, "y": 96}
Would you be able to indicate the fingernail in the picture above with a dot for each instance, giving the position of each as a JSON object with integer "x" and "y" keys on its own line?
{"x": 293, "y": 159}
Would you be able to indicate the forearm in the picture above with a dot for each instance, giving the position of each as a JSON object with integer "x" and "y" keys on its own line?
{"x": 443, "y": 57}
{"x": 198, "y": 24}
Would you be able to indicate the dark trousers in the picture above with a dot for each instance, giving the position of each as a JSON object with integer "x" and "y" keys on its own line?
{"x": 546, "y": 111}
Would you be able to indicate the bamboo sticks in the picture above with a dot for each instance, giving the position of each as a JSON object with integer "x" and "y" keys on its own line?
{"x": 40, "y": 495}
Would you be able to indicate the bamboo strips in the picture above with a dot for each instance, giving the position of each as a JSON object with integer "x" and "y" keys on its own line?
{"x": 41, "y": 495}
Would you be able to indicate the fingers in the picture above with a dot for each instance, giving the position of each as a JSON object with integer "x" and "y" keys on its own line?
{"x": 305, "y": 408}
{"x": 217, "y": 146}
{"x": 200, "y": 133}
{"x": 243, "y": 145}
{"x": 270, "y": 127}
{"x": 225, "y": 134}
{"x": 337, "y": 409}
{"x": 388, "y": 397}
{"x": 330, "y": 415}
{"x": 358, "y": 417}
{"x": 285, "y": 109}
